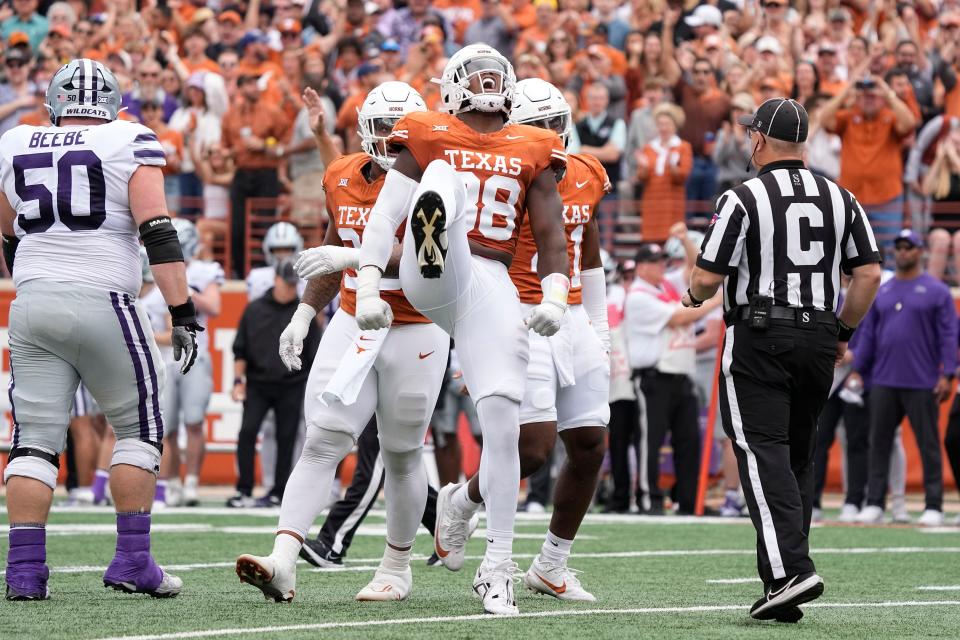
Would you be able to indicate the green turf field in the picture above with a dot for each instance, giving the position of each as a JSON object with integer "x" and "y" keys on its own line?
{"x": 653, "y": 579}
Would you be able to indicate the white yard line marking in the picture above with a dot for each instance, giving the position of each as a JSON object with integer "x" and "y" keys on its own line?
{"x": 939, "y": 529}
{"x": 166, "y": 528}
{"x": 949, "y": 587}
{"x": 734, "y": 580}
{"x": 522, "y": 518}
{"x": 209, "y": 633}
{"x": 178, "y": 568}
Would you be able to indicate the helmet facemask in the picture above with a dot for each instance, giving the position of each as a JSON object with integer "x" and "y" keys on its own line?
{"x": 560, "y": 122}
{"x": 485, "y": 84}
{"x": 373, "y": 135}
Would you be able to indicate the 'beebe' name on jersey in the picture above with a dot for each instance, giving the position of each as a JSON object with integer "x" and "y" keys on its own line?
{"x": 70, "y": 188}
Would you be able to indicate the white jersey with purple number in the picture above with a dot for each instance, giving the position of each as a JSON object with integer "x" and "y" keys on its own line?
{"x": 200, "y": 275}
{"x": 70, "y": 189}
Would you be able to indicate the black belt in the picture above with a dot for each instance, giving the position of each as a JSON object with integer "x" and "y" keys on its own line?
{"x": 794, "y": 315}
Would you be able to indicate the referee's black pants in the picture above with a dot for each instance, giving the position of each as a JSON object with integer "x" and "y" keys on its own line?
{"x": 624, "y": 432}
{"x": 773, "y": 385}
{"x": 347, "y": 515}
{"x": 668, "y": 403}
{"x": 888, "y": 406}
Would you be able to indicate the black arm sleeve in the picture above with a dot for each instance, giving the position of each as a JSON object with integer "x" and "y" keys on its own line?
{"x": 160, "y": 238}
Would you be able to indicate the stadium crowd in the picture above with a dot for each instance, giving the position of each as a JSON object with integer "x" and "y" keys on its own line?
{"x": 656, "y": 88}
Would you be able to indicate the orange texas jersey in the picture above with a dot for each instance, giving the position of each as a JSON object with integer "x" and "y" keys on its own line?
{"x": 497, "y": 168}
{"x": 350, "y": 198}
{"x": 581, "y": 189}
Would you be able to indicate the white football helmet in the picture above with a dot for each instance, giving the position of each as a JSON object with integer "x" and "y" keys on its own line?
{"x": 281, "y": 235}
{"x": 490, "y": 74}
{"x": 384, "y": 106}
{"x": 540, "y": 104}
{"x": 188, "y": 237}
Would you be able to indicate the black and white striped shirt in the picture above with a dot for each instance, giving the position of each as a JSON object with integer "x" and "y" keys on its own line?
{"x": 787, "y": 234}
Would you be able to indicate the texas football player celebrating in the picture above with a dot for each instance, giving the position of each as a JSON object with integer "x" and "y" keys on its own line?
{"x": 394, "y": 373}
{"x": 568, "y": 377}
{"x": 463, "y": 181}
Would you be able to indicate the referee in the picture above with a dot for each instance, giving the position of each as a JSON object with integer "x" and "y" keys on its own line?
{"x": 777, "y": 244}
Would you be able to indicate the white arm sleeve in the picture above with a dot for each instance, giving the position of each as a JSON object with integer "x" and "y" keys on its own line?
{"x": 593, "y": 285}
{"x": 391, "y": 209}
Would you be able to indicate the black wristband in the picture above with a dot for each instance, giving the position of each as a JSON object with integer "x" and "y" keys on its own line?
{"x": 696, "y": 303}
{"x": 184, "y": 314}
{"x": 845, "y": 332}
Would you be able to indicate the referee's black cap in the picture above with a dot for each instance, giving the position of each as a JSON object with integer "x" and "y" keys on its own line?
{"x": 779, "y": 118}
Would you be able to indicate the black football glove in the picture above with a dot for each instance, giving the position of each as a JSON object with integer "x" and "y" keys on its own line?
{"x": 184, "y": 338}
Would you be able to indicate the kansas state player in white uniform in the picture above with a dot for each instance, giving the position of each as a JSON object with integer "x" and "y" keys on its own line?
{"x": 188, "y": 395}
{"x": 74, "y": 196}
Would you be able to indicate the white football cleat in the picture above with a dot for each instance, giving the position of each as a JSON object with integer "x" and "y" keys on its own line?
{"x": 555, "y": 580}
{"x": 494, "y": 585}
{"x": 849, "y": 513}
{"x": 900, "y": 515}
{"x": 931, "y": 518}
{"x": 265, "y": 573}
{"x": 387, "y": 586}
{"x": 453, "y": 530}
{"x": 871, "y": 514}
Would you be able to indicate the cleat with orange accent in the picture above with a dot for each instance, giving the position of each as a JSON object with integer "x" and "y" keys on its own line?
{"x": 387, "y": 586}
{"x": 557, "y": 580}
{"x": 265, "y": 573}
{"x": 453, "y": 530}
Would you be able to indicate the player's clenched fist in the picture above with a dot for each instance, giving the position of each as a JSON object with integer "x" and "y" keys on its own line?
{"x": 546, "y": 317}
{"x": 321, "y": 261}
{"x": 372, "y": 312}
{"x": 184, "y": 336}
{"x": 291, "y": 340}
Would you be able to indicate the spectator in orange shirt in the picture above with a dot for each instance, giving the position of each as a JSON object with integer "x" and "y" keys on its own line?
{"x": 664, "y": 165}
{"x": 899, "y": 81}
{"x": 172, "y": 142}
{"x": 254, "y": 131}
{"x": 195, "y": 47}
{"x": 871, "y": 164}
{"x": 534, "y": 39}
{"x": 39, "y": 117}
{"x": 827, "y": 61}
{"x": 369, "y": 75}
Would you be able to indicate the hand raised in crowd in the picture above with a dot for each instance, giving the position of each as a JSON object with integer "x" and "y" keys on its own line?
{"x": 678, "y": 230}
{"x": 316, "y": 115}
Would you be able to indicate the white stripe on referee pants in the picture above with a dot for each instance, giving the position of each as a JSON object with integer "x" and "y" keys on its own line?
{"x": 766, "y": 518}
{"x": 643, "y": 482}
{"x": 376, "y": 476}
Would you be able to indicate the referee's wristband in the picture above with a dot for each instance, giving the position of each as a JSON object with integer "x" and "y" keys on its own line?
{"x": 845, "y": 332}
{"x": 693, "y": 299}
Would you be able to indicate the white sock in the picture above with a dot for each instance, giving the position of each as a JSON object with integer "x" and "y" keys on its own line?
{"x": 308, "y": 488}
{"x": 461, "y": 500}
{"x": 395, "y": 561}
{"x": 405, "y": 490}
{"x": 499, "y": 472}
{"x": 190, "y": 481}
{"x": 174, "y": 484}
{"x": 286, "y": 548}
{"x": 555, "y": 549}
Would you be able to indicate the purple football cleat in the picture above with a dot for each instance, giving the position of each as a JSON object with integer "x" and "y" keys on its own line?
{"x": 27, "y": 571}
{"x": 133, "y": 569}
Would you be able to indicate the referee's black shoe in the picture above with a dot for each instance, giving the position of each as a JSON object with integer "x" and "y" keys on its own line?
{"x": 317, "y": 553}
{"x": 786, "y": 594}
